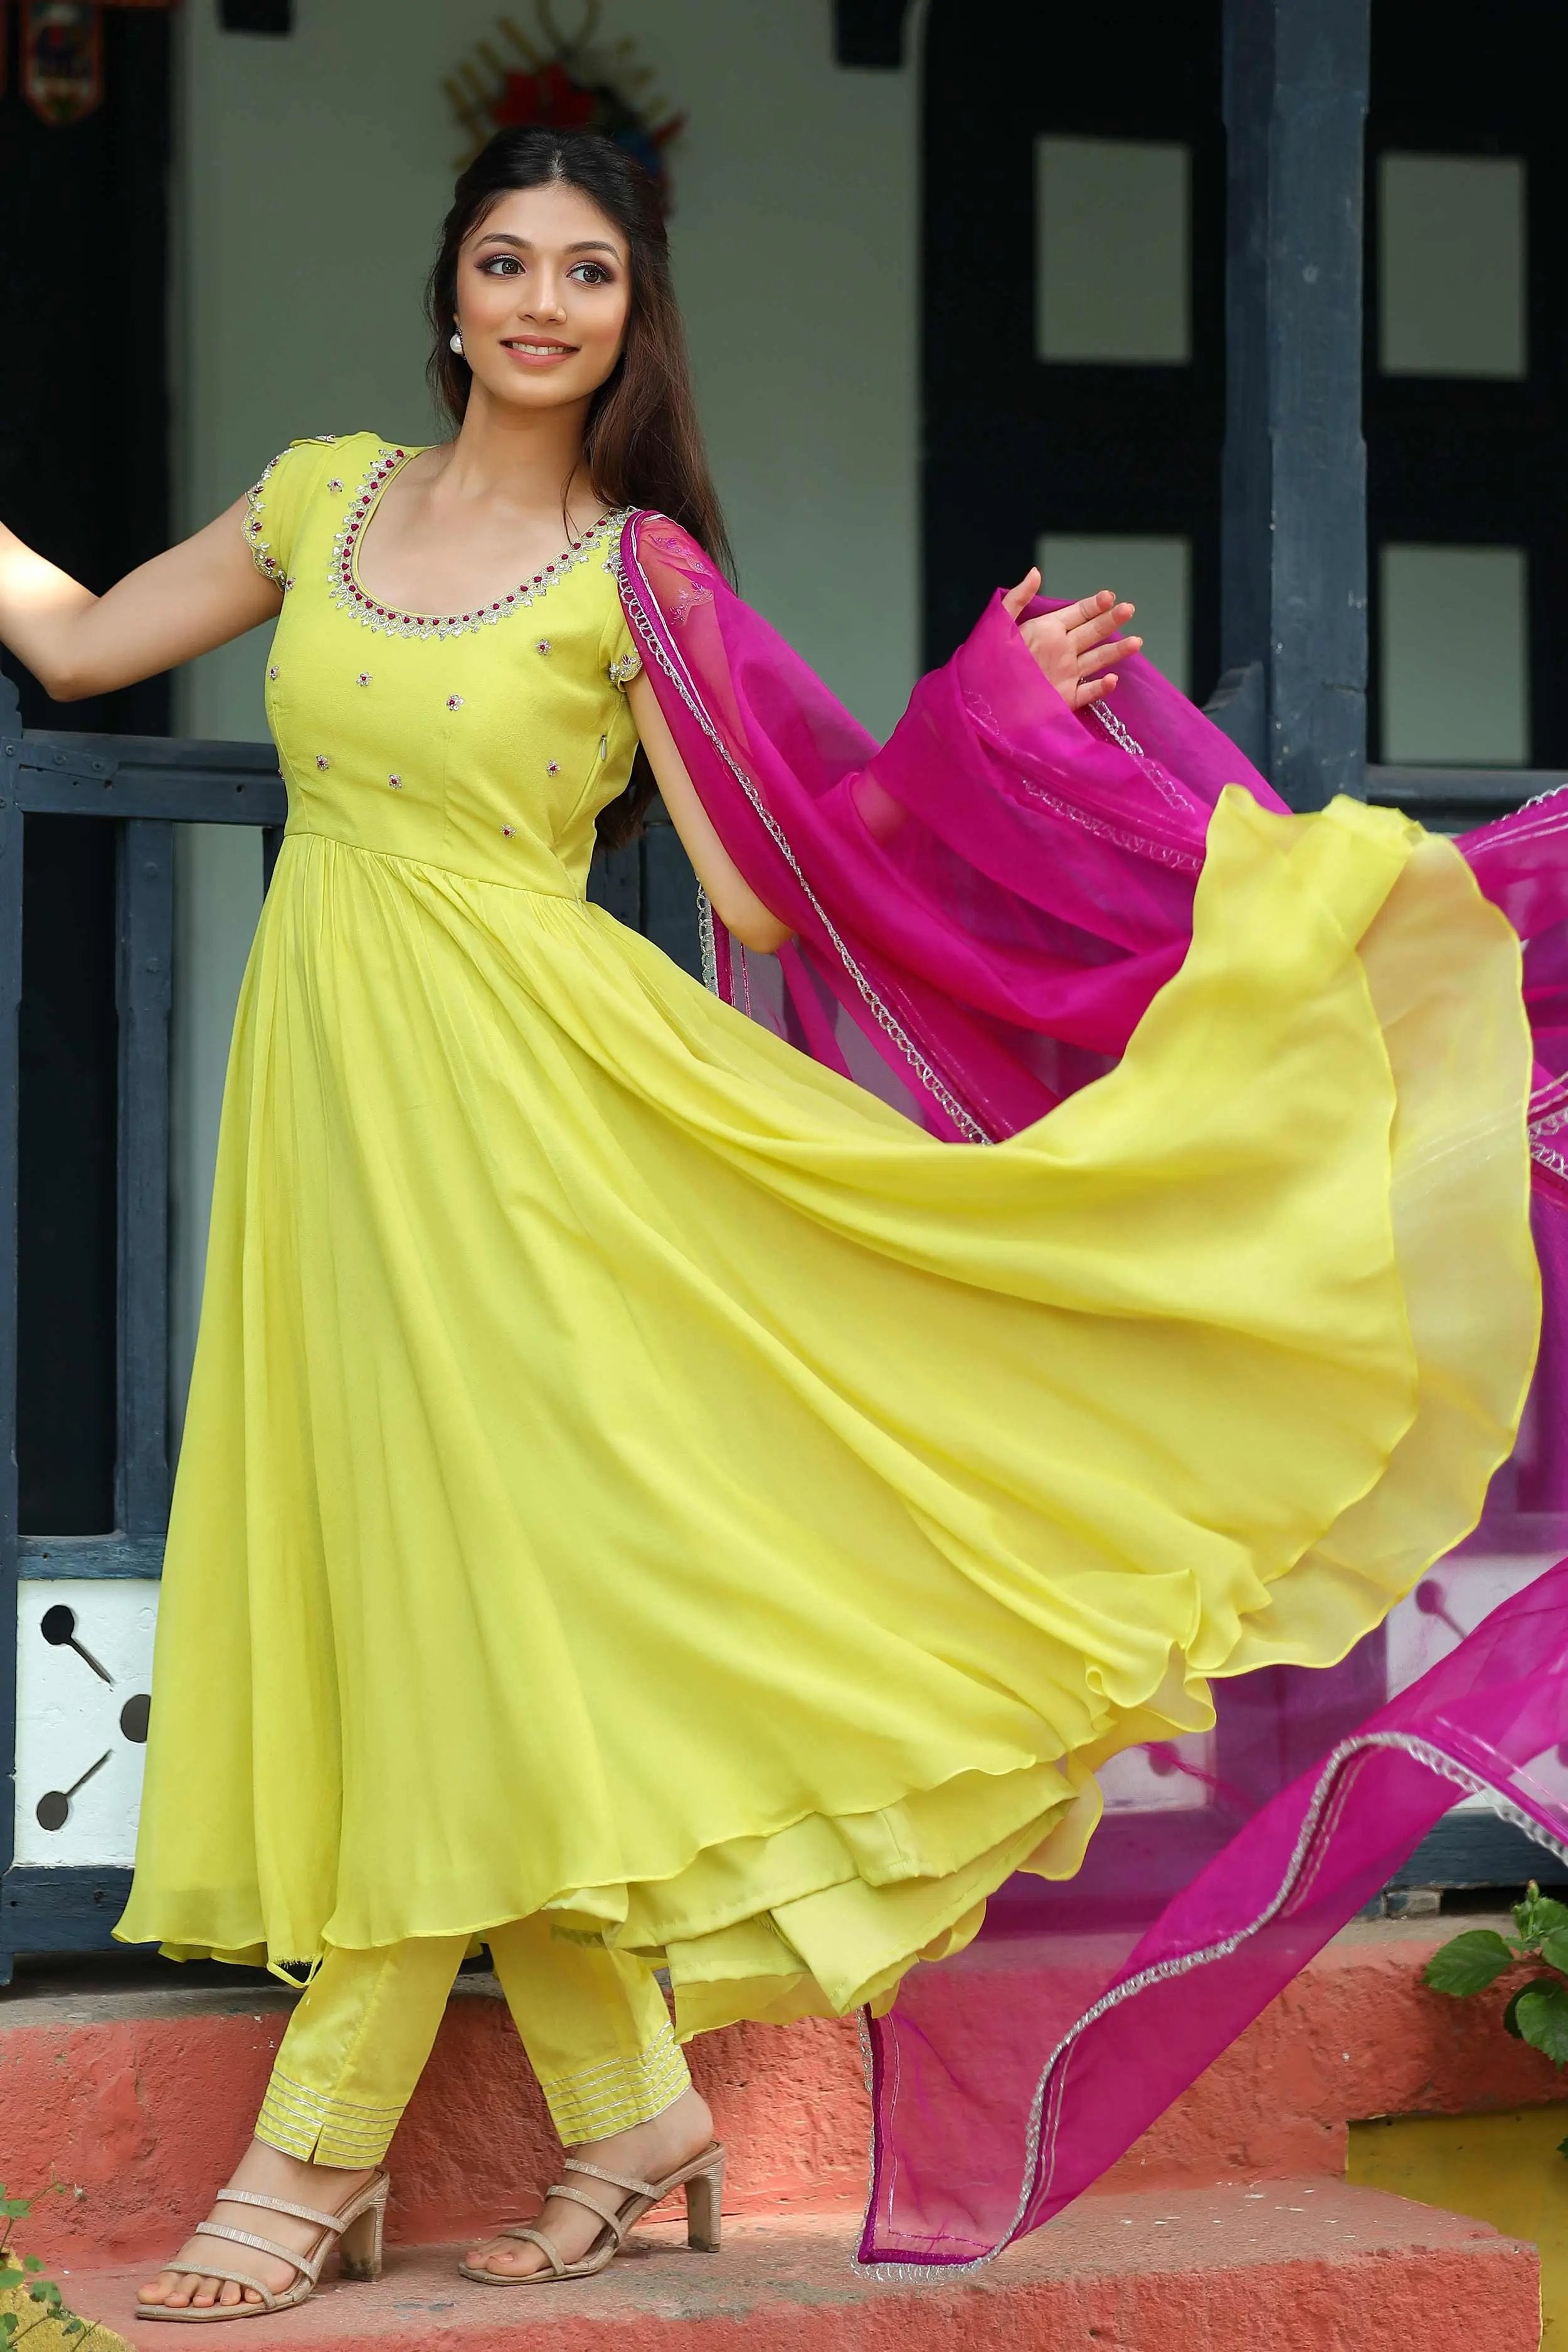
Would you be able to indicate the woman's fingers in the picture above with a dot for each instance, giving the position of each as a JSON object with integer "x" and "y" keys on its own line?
{"x": 1093, "y": 690}
{"x": 1027, "y": 589}
{"x": 1087, "y": 610}
{"x": 1102, "y": 624}
{"x": 1098, "y": 657}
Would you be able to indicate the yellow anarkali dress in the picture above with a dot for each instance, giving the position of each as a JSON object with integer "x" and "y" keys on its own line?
{"x": 631, "y": 1473}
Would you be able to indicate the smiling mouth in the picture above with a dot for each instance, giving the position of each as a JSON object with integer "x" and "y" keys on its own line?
{"x": 532, "y": 351}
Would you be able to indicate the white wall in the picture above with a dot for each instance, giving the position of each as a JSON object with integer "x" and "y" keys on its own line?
{"x": 313, "y": 174}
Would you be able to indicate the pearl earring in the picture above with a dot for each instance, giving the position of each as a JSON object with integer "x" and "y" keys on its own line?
{"x": 454, "y": 342}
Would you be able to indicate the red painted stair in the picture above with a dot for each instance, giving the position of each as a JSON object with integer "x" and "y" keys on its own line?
{"x": 123, "y": 2105}
{"x": 1311, "y": 2267}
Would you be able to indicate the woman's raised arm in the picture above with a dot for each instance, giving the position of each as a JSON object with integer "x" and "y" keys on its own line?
{"x": 184, "y": 602}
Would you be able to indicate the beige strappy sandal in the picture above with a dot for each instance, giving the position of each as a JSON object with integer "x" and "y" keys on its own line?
{"x": 357, "y": 2230}
{"x": 703, "y": 2179}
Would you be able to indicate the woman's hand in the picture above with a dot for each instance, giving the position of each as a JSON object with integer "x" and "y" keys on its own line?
{"x": 1076, "y": 647}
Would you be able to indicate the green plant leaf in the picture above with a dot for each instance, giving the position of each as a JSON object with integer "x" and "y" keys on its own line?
{"x": 1511, "y": 2014}
{"x": 1540, "y": 2014}
{"x": 11, "y": 2278}
{"x": 1554, "y": 1948}
{"x": 1538, "y": 1915}
{"x": 1469, "y": 1963}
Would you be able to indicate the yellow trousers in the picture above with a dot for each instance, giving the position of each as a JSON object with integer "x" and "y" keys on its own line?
{"x": 594, "y": 2024}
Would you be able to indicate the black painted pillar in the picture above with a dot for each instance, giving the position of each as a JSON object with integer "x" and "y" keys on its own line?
{"x": 1293, "y": 541}
{"x": 10, "y": 1086}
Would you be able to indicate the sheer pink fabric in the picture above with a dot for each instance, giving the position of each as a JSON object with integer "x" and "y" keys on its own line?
{"x": 984, "y": 907}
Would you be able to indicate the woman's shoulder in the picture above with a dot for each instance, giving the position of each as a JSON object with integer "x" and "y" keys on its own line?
{"x": 317, "y": 456}
{"x": 282, "y": 500}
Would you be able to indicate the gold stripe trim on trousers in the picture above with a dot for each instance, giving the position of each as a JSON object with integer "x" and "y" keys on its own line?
{"x": 595, "y": 2101}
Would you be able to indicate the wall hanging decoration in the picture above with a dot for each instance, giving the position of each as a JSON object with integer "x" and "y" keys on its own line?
{"x": 60, "y": 55}
{"x": 562, "y": 82}
{"x": 62, "y": 58}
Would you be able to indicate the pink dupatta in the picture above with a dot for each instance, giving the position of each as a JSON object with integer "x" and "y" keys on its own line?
{"x": 984, "y": 907}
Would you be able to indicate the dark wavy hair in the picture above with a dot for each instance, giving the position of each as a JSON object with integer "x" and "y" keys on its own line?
{"x": 642, "y": 445}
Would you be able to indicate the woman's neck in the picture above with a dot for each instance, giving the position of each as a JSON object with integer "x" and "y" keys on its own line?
{"x": 522, "y": 460}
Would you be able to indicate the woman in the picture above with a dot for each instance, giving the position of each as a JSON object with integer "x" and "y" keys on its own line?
{"x": 643, "y": 1501}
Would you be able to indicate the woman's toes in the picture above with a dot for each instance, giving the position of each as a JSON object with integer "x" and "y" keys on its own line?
{"x": 511, "y": 2259}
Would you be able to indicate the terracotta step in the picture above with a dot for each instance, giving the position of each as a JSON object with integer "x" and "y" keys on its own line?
{"x": 120, "y": 2109}
{"x": 1305, "y": 2267}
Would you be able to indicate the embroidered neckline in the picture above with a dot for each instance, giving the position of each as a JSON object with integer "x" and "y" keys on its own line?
{"x": 387, "y": 619}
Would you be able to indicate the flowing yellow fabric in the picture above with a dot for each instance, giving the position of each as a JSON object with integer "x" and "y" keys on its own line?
{"x": 631, "y": 1471}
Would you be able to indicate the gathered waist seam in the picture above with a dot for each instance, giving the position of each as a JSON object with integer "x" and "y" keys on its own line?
{"x": 433, "y": 865}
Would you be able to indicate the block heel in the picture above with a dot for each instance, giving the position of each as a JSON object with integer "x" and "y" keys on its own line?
{"x": 702, "y": 2179}
{"x": 704, "y": 2206}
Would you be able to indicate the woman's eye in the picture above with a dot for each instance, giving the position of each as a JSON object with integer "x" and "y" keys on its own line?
{"x": 497, "y": 265}
{"x": 592, "y": 273}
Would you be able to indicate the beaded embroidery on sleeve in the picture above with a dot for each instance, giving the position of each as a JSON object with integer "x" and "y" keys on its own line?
{"x": 255, "y": 527}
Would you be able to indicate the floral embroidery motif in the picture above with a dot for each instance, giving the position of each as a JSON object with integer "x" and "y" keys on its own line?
{"x": 454, "y": 702}
{"x": 322, "y": 760}
{"x": 287, "y": 585}
{"x": 623, "y": 668}
{"x": 553, "y": 767}
{"x": 272, "y": 673}
{"x": 363, "y": 678}
{"x": 386, "y": 619}
{"x": 542, "y": 647}
{"x": 397, "y": 782}
{"x": 334, "y": 484}
{"x": 507, "y": 831}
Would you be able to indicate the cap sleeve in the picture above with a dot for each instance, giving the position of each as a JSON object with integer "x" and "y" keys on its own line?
{"x": 275, "y": 505}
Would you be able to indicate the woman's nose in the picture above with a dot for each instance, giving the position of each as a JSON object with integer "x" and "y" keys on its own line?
{"x": 544, "y": 296}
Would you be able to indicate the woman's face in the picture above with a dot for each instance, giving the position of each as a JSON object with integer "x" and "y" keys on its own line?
{"x": 544, "y": 295}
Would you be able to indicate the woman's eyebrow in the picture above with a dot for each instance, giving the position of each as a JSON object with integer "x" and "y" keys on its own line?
{"x": 525, "y": 244}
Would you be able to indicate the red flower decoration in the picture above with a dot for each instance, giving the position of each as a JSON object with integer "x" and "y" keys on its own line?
{"x": 550, "y": 100}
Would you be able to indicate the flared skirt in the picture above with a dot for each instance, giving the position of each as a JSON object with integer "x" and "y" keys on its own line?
{"x": 630, "y": 1471}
